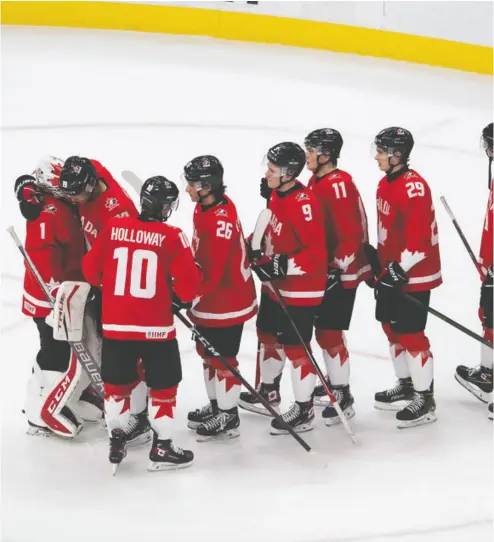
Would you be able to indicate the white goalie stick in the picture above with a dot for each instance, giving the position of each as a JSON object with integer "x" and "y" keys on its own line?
{"x": 82, "y": 353}
{"x": 261, "y": 225}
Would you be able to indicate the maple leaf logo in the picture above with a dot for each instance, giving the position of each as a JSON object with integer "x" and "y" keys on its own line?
{"x": 409, "y": 259}
{"x": 345, "y": 262}
{"x": 382, "y": 233}
{"x": 293, "y": 268}
{"x": 268, "y": 245}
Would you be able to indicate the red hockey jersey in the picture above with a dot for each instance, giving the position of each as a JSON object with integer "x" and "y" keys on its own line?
{"x": 345, "y": 223}
{"x": 297, "y": 229}
{"x": 55, "y": 244}
{"x": 137, "y": 264}
{"x": 407, "y": 229}
{"x": 228, "y": 294}
{"x": 485, "y": 256}
{"x": 113, "y": 202}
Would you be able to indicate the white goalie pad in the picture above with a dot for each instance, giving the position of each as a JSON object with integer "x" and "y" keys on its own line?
{"x": 68, "y": 311}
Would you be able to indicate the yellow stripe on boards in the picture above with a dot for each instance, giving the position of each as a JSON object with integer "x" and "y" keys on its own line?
{"x": 252, "y": 28}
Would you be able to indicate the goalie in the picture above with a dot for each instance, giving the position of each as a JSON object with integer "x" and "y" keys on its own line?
{"x": 58, "y": 397}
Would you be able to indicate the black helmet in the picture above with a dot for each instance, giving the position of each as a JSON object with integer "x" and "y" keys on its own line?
{"x": 159, "y": 197}
{"x": 325, "y": 141}
{"x": 78, "y": 175}
{"x": 206, "y": 171}
{"x": 487, "y": 138}
{"x": 395, "y": 139}
{"x": 290, "y": 157}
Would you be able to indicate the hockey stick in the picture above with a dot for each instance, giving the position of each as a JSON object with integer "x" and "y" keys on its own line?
{"x": 237, "y": 374}
{"x": 82, "y": 353}
{"x": 261, "y": 225}
{"x": 134, "y": 181}
{"x": 462, "y": 236}
{"x": 375, "y": 264}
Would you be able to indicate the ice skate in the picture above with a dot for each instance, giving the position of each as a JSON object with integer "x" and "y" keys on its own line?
{"x": 224, "y": 425}
{"x": 345, "y": 400}
{"x": 164, "y": 455}
{"x": 90, "y": 405}
{"x": 489, "y": 412}
{"x": 320, "y": 396}
{"x": 300, "y": 418}
{"x": 395, "y": 398}
{"x": 202, "y": 415}
{"x": 138, "y": 430}
{"x": 37, "y": 431}
{"x": 250, "y": 402}
{"x": 118, "y": 448}
{"x": 477, "y": 380}
{"x": 420, "y": 411}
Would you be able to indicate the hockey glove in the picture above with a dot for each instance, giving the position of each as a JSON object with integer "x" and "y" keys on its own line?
{"x": 265, "y": 191}
{"x": 393, "y": 278}
{"x": 178, "y": 304}
{"x": 334, "y": 278}
{"x": 486, "y": 301}
{"x": 271, "y": 267}
{"x": 29, "y": 196}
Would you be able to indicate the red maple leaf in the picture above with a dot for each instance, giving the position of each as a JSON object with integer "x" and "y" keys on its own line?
{"x": 306, "y": 367}
{"x": 163, "y": 408}
{"x": 230, "y": 379}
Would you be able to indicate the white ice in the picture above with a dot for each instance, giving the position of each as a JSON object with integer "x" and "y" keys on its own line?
{"x": 150, "y": 103}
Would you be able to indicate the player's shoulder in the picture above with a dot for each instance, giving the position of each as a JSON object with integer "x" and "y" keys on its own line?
{"x": 339, "y": 176}
{"x": 411, "y": 175}
{"x": 301, "y": 195}
{"x": 53, "y": 208}
{"x": 225, "y": 211}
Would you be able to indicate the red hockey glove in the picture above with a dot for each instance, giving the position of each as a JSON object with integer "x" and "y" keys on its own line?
{"x": 271, "y": 267}
{"x": 29, "y": 196}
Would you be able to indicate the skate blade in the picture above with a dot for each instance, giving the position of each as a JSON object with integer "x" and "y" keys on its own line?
{"x": 143, "y": 438}
{"x": 391, "y": 407}
{"x": 299, "y": 429}
{"x": 321, "y": 401}
{"x": 154, "y": 466}
{"x": 478, "y": 393}
{"x": 258, "y": 409}
{"x": 349, "y": 413}
{"x": 227, "y": 435}
{"x": 114, "y": 468}
{"x": 427, "y": 418}
{"x": 40, "y": 432}
{"x": 490, "y": 416}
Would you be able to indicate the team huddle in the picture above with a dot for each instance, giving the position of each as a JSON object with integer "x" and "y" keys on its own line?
{"x": 118, "y": 277}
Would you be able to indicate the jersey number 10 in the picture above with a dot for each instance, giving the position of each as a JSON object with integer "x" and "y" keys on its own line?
{"x": 139, "y": 258}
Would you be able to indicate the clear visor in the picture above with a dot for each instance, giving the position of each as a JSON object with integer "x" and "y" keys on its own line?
{"x": 198, "y": 185}
{"x": 272, "y": 171}
{"x": 486, "y": 145}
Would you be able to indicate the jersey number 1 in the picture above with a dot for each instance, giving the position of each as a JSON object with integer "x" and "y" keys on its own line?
{"x": 139, "y": 257}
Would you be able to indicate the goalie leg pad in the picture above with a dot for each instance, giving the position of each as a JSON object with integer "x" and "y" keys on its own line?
{"x": 47, "y": 402}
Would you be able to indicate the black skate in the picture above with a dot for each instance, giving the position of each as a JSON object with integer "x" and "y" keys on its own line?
{"x": 395, "y": 398}
{"x": 138, "y": 430}
{"x": 320, "y": 396}
{"x": 201, "y": 415}
{"x": 489, "y": 412}
{"x": 300, "y": 418}
{"x": 118, "y": 449}
{"x": 222, "y": 426}
{"x": 270, "y": 392}
{"x": 477, "y": 380}
{"x": 164, "y": 455}
{"x": 420, "y": 411}
{"x": 345, "y": 400}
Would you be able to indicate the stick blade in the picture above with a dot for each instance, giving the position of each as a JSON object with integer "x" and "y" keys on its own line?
{"x": 260, "y": 227}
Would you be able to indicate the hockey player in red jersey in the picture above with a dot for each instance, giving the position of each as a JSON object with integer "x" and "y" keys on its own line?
{"x": 99, "y": 198}
{"x": 55, "y": 244}
{"x": 478, "y": 380}
{"x": 295, "y": 263}
{"x": 346, "y": 232}
{"x": 144, "y": 267}
{"x": 227, "y": 295}
{"x": 408, "y": 251}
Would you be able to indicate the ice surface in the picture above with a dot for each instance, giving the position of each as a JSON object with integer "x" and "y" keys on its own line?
{"x": 150, "y": 103}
